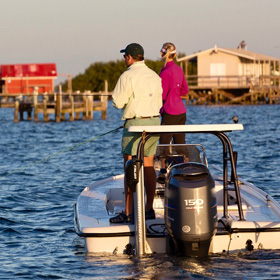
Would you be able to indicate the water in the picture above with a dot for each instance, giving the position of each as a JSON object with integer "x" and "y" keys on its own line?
{"x": 37, "y": 238}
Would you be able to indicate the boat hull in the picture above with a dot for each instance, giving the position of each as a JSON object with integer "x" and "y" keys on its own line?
{"x": 259, "y": 230}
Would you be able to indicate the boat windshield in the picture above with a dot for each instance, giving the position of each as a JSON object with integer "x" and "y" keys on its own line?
{"x": 170, "y": 154}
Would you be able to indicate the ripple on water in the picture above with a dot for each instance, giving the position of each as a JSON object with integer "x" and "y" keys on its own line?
{"x": 36, "y": 211}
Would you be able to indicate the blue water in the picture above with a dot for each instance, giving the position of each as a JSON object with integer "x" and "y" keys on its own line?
{"x": 40, "y": 184}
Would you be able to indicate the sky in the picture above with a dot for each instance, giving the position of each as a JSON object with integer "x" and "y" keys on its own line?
{"x": 76, "y": 33}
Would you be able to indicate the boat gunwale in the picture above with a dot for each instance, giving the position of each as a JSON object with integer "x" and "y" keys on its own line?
{"x": 245, "y": 184}
{"x": 105, "y": 180}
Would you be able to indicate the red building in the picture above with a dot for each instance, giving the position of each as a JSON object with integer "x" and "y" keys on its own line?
{"x": 23, "y": 78}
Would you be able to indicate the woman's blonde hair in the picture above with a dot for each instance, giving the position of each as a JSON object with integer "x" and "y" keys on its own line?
{"x": 169, "y": 51}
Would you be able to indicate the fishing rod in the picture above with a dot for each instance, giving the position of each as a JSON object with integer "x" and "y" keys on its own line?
{"x": 61, "y": 152}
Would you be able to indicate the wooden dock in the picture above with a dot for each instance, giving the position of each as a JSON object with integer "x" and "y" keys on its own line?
{"x": 55, "y": 106}
{"x": 219, "y": 96}
{"x": 76, "y": 105}
{"x": 229, "y": 90}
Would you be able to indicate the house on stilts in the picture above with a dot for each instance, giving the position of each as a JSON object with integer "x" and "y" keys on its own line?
{"x": 224, "y": 75}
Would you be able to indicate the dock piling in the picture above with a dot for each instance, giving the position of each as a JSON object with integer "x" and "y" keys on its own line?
{"x": 71, "y": 115}
{"x": 16, "y": 111}
{"x": 45, "y": 108}
{"x": 35, "y": 105}
{"x": 59, "y": 104}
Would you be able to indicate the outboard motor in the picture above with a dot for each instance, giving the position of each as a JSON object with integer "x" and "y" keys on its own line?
{"x": 191, "y": 208}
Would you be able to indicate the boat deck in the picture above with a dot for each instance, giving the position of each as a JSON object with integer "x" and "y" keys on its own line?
{"x": 94, "y": 217}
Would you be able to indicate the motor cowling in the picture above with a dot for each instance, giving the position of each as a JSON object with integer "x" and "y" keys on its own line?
{"x": 191, "y": 208}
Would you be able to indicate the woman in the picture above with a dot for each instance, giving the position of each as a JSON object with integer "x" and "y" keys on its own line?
{"x": 173, "y": 111}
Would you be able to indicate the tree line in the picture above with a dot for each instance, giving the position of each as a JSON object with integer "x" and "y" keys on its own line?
{"x": 94, "y": 76}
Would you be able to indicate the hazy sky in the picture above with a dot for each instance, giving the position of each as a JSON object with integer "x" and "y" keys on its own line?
{"x": 76, "y": 33}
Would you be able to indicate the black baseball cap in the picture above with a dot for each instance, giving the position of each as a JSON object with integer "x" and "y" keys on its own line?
{"x": 134, "y": 50}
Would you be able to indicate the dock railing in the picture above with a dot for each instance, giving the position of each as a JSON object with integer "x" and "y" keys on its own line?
{"x": 196, "y": 82}
{"x": 77, "y": 105}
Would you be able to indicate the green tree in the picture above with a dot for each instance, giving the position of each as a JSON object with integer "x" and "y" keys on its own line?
{"x": 94, "y": 76}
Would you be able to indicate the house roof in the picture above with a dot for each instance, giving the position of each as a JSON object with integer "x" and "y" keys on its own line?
{"x": 29, "y": 70}
{"x": 237, "y": 52}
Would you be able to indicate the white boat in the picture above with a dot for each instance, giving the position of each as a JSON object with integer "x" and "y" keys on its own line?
{"x": 197, "y": 213}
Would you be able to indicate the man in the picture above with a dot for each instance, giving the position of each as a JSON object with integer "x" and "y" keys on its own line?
{"x": 139, "y": 93}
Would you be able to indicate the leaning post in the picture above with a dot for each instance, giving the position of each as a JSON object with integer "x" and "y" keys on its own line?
{"x": 139, "y": 208}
